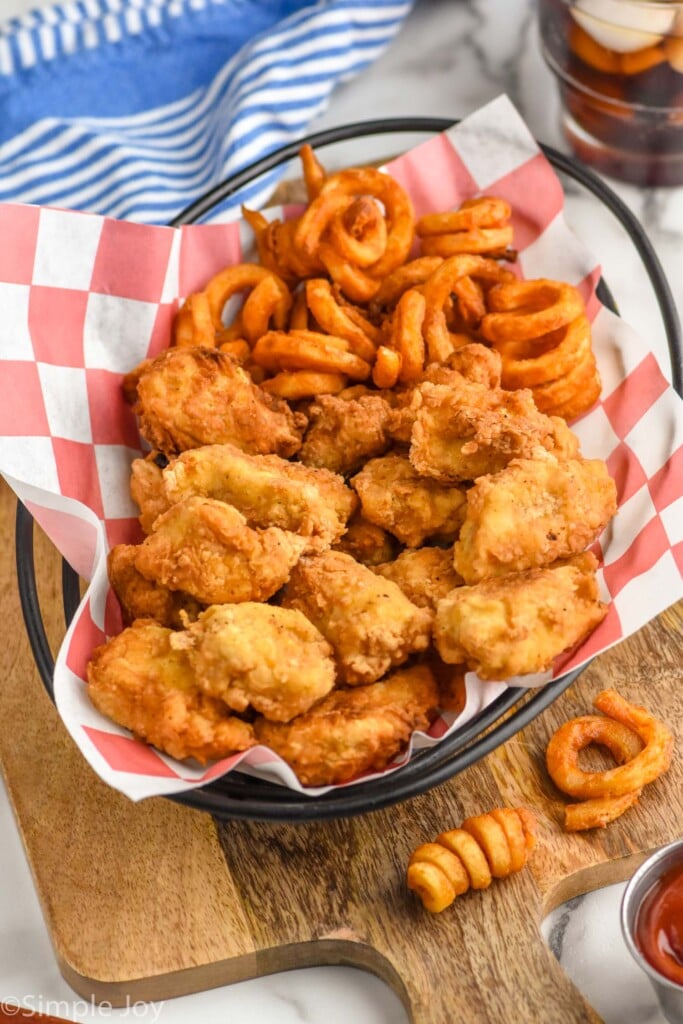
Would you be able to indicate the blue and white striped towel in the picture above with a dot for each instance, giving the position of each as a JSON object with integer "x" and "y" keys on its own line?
{"x": 134, "y": 108}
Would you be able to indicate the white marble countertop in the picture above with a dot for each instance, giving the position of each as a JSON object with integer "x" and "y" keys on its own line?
{"x": 449, "y": 59}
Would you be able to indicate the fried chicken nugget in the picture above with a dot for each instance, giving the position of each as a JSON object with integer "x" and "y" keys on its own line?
{"x": 370, "y": 623}
{"x": 139, "y": 681}
{"x": 463, "y": 432}
{"x": 532, "y": 513}
{"x": 473, "y": 362}
{"x": 141, "y": 598}
{"x": 205, "y": 548}
{"x": 518, "y": 624}
{"x": 411, "y": 507}
{"x": 267, "y": 490}
{"x": 188, "y": 397}
{"x": 261, "y": 656}
{"x": 425, "y": 575}
{"x": 147, "y": 488}
{"x": 354, "y": 731}
{"x": 366, "y": 542}
{"x": 345, "y": 432}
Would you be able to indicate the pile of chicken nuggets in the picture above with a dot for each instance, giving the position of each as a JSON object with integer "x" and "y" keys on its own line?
{"x": 346, "y": 504}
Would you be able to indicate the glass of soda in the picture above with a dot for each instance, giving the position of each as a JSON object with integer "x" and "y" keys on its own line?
{"x": 619, "y": 66}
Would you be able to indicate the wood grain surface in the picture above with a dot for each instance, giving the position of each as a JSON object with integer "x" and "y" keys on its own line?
{"x": 153, "y": 900}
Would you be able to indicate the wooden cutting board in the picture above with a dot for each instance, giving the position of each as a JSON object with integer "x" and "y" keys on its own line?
{"x": 154, "y": 900}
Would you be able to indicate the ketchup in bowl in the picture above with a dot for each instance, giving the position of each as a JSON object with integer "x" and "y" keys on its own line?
{"x": 658, "y": 931}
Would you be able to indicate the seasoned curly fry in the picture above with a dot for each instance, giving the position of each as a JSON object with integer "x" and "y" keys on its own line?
{"x": 193, "y": 324}
{"x": 308, "y": 350}
{"x": 562, "y": 755}
{"x": 528, "y": 309}
{"x": 485, "y": 847}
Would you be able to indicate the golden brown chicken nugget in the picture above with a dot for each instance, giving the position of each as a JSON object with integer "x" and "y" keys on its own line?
{"x": 141, "y": 598}
{"x": 532, "y": 513}
{"x": 345, "y": 432}
{"x": 266, "y": 489}
{"x": 411, "y": 507}
{"x": 425, "y": 575}
{"x": 147, "y": 488}
{"x": 461, "y": 433}
{"x": 188, "y": 397}
{"x": 354, "y": 731}
{"x": 261, "y": 656}
{"x": 369, "y": 622}
{"x": 518, "y": 624}
{"x": 139, "y": 681}
{"x": 205, "y": 548}
{"x": 366, "y": 542}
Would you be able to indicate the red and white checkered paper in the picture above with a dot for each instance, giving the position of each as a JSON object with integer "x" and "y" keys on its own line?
{"x": 84, "y": 298}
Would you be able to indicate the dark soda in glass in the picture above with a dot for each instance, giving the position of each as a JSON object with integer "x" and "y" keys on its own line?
{"x": 619, "y": 65}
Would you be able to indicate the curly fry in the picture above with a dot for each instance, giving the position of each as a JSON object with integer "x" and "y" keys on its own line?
{"x": 481, "y": 241}
{"x": 359, "y": 232}
{"x": 297, "y": 384}
{"x": 308, "y": 350}
{"x": 228, "y": 282}
{"x": 358, "y": 182}
{"x": 354, "y": 282}
{"x": 313, "y": 171}
{"x": 521, "y": 310}
{"x": 479, "y": 226}
{"x": 486, "y": 846}
{"x": 527, "y": 364}
{"x": 298, "y": 317}
{"x": 470, "y": 301}
{"x": 484, "y": 212}
{"x": 407, "y": 335}
{"x": 437, "y": 292}
{"x": 238, "y": 349}
{"x": 269, "y": 300}
{"x": 332, "y": 318}
{"x": 572, "y": 394}
{"x": 387, "y": 368}
{"x": 193, "y": 324}
{"x": 636, "y": 767}
{"x": 598, "y": 813}
{"x": 410, "y": 275}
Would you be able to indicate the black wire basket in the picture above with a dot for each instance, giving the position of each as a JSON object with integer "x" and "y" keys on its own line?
{"x": 238, "y": 795}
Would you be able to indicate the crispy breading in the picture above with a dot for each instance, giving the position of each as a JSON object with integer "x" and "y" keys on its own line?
{"x": 370, "y": 623}
{"x": 409, "y": 506}
{"x": 266, "y": 489}
{"x": 532, "y": 513}
{"x": 260, "y": 656}
{"x": 345, "y": 432}
{"x": 473, "y": 362}
{"x": 425, "y": 575}
{"x": 354, "y": 731}
{"x": 205, "y": 548}
{"x": 366, "y": 542}
{"x": 139, "y": 681}
{"x": 147, "y": 488}
{"x": 141, "y": 598}
{"x": 188, "y": 397}
{"x": 517, "y": 624}
{"x": 462, "y": 433}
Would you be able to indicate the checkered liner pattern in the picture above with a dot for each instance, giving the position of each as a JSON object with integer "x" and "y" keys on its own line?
{"x": 85, "y": 298}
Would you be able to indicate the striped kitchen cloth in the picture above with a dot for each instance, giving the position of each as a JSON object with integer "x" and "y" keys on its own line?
{"x": 134, "y": 108}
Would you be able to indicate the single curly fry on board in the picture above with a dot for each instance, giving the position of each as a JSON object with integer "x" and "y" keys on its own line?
{"x": 640, "y": 744}
{"x": 486, "y": 846}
